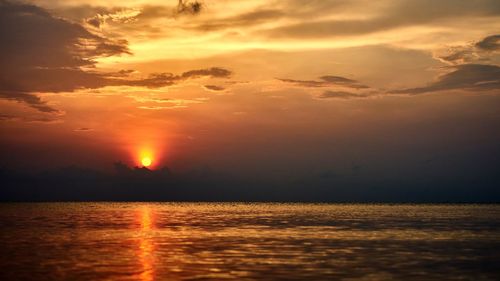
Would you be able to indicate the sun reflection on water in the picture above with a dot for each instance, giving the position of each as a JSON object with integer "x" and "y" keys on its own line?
{"x": 146, "y": 247}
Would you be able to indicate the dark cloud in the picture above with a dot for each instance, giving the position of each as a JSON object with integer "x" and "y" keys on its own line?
{"x": 122, "y": 73}
{"x": 189, "y": 7}
{"x": 216, "y": 72}
{"x": 155, "y": 80}
{"x": 214, "y": 88}
{"x": 83, "y": 129}
{"x": 340, "y": 95}
{"x": 337, "y": 79}
{"x": 478, "y": 77}
{"x": 32, "y": 38}
{"x": 53, "y": 80}
{"x": 490, "y": 43}
{"x": 96, "y": 21}
{"x": 42, "y": 53}
{"x": 167, "y": 79}
{"x": 31, "y": 100}
{"x": 479, "y": 51}
{"x": 327, "y": 81}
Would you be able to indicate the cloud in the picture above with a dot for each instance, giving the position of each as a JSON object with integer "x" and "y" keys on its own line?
{"x": 31, "y": 37}
{"x": 343, "y": 81}
{"x": 246, "y": 19}
{"x": 42, "y": 53}
{"x": 340, "y": 87}
{"x": 470, "y": 70}
{"x": 214, "y": 88}
{"x": 114, "y": 15}
{"x": 458, "y": 55}
{"x": 341, "y": 95}
{"x": 166, "y": 103}
{"x": 215, "y": 72}
{"x": 83, "y": 129}
{"x": 30, "y": 100}
{"x": 126, "y": 18}
{"x": 327, "y": 81}
{"x": 400, "y": 14}
{"x": 478, "y": 77}
{"x": 96, "y": 21}
{"x": 189, "y": 7}
{"x": 274, "y": 11}
{"x": 167, "y": 79}
{"x": 490, "y": 43}
{"x": 479, "y": 51}
{"x": 475, "y": 77}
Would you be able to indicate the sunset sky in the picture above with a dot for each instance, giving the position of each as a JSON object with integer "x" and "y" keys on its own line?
{"x": 268, "y": 89}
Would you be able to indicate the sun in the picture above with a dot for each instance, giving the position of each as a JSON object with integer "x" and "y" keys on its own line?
{"x": 145, "y": 157}
{"x": 146, "y": 161}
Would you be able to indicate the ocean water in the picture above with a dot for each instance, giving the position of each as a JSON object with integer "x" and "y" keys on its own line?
{"x": 218, "y": 241}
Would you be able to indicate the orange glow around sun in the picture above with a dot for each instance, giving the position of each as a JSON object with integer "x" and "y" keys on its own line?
{"x": 146, "y": 147}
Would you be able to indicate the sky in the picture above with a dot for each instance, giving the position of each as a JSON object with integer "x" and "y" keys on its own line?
{"x": 315, "y": 93}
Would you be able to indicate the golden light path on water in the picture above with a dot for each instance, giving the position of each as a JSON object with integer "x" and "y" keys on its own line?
{"x": 146, "y": 247}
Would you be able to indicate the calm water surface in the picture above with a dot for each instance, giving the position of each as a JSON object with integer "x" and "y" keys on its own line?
{"x": 209, "y": 241}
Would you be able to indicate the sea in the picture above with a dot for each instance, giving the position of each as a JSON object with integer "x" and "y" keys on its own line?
{"x": 248, "y": 241}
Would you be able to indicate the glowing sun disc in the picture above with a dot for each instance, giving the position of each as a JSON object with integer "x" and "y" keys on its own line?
{"x": 146, "y": 161}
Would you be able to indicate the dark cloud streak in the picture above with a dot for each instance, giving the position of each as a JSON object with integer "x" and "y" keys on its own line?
{"x": 341, "y": 95}
{"x": 167, "y": 79}
{"x": 477, "y": 77}
{"x": 327, "y": 81}
{"x": 214, "y": 88}
{"x": 31, "y": 100}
